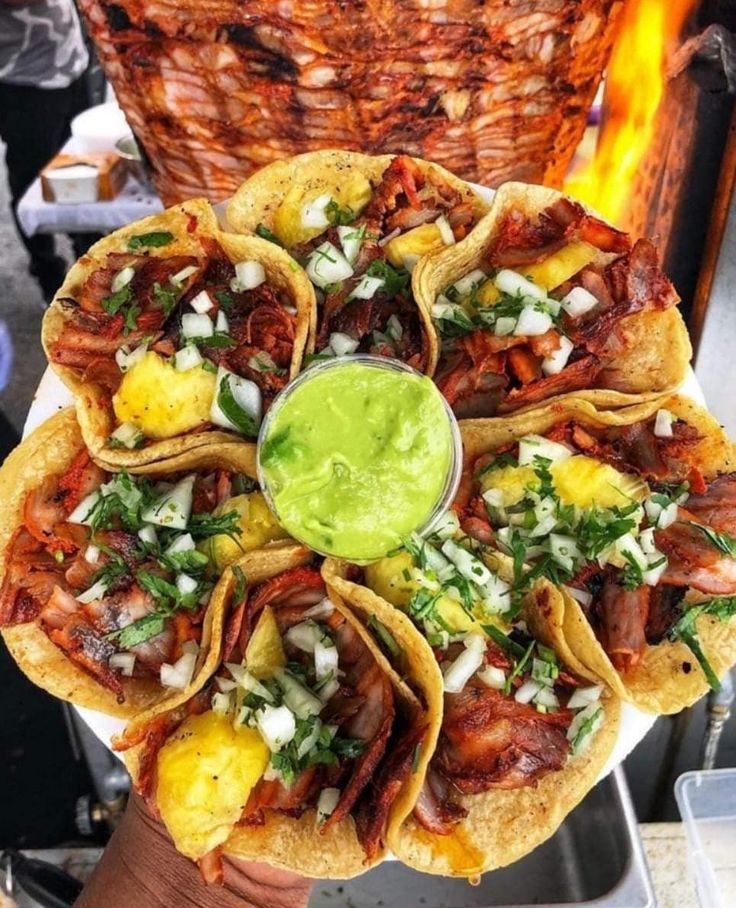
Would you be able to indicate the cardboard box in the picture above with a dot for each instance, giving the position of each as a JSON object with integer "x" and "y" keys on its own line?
{"x": 73, "y": 179}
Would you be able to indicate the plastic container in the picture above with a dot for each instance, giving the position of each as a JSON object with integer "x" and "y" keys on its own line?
{"x": 707, "y": 802}
{"x": 452, "y": 480}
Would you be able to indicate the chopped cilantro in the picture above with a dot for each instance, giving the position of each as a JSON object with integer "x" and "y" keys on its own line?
{"x": 338, "y": 216}
{"x": 722, "y": 609}
{"x": 114, "y": 303}
{"x": 396, "y": 280}
{"x": 265, "y": 234}
{"x": 155, "y": 238}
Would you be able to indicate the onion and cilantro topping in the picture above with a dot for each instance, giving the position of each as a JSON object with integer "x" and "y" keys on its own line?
{"x": 558, "y": 539}
{"x": 162, "y": 557}
{"x": 286, "y": 707}
{"x": 486, "y": 640}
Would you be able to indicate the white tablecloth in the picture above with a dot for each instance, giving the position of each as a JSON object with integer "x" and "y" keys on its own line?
{"x": 134, "y": 201}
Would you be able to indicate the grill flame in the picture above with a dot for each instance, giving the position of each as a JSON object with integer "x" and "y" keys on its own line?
{"x": 635, "y": 82}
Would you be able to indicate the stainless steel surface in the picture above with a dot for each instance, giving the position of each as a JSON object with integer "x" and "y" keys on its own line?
{"x": 594, "y": 859}
{"x": 719, "y": 712}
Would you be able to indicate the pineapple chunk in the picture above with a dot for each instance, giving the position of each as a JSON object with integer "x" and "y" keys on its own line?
{"x": 162, "y": 402}
{"x": 354, "y": 192}
{"x": 488, "y": 294}
{"x": 418, "y": 241}
{"x": 386, "y": 579}
{"x": 265, "y": 651}
{"x": 205, "y": 773}
{"x": 560, "y": 267}
{"x": 584, "y": 481}
{"x": 513, "y": 482}
{"x": 258, "y": 524}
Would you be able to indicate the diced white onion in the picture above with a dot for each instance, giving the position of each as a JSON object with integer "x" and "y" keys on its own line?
{"x": 652, "y": 575}
{"x": 528, "y": 691}
{"x": 245, "y": 680}
{"x": 127, "y": 434}
{"x": 297, "y": 697}
{"x": 247, "y": 395}
{"x": 190, "y": 646}
{"x": 126, "y": 359}
{"x": 532, "y": 322}
{"x": 578, "y": 301}
{"x": 627, "y": 545}
{"x": 328, "y": 690}
{"x": 646, "y": 541}
{"x": 394, "y": 328}
{"x": 174, "y": 507}
{"x": 584, "y": 696}
{"x": 496, "y": 595}
{"x": 443, "y": 225}
{"x": 221, "y": 323}
{"x": 465, "y": 285}
{"x": 304, "y": 636}
{"x": 322, "y": 609}
{"x": 581, "y": 596}
{"x": 443, "y": 310}
{"x": 458, "y": 673}
{"x": 148, "y": 534}
{"x": 594, "y": 709}
{"x": 410, "y": 260}
{"x": 187, "y": 358}
{"x": 183, "y": 543}
{"x": 221, "y": 703}
{"x": 96, "y": 591}
{"x": 311, "y": 739}
{"x": 123, "y": 662}
{"x": 225, "y": 684}
{"x": 343, "y": 344}
{"x": 446, "y": 526}
{"x": 663, "y": 424}
{"x": 563, "y": 549}
{"x": 351, "y": 239}
{"x": 92, "y": 554}
{"x": 202, "y": 302}
{"x": 325, "y": 659}
{"x": 248, "y": 276}
{"x": 515, "y": 284}
{"x": 122, "y": 278}
{"x": 82, "y": 512}
{"x": 314, "y": 215}
{"x": 185, "y": 584}
{"x": 326, "y": 803}
{"x": 180, "y": 673}
{"x": 659, "y": 516}
{"x": 367, "y": 287}
{"x": 195, "y": 325}
{"x": 547, "y": 698}
{"x": 531, "y": 446}
{"x": 468, "y": 565}
{"x": 276, "y": 725}
{"x": 182, "y": 275}
{"x": 493, "y": 677}
{"x": 556, "y": 362}
{"x": 327, "y": 265}
{"x": 504, "y": 325}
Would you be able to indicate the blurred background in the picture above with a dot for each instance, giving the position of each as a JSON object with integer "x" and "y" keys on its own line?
{"x": 630, "y": 105}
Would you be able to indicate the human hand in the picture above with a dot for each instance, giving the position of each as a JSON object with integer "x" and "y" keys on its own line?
{"x": 141, "y": 869}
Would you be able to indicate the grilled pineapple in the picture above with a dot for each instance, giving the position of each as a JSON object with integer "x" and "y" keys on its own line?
{"x": 418, "y": 241}
{"x": 353, "y": 193}
{"x": 205, "y": 773}
{"x": 265, "y": 651}
{"x": 258, "y": 524}
{"x": 162, "y": 402}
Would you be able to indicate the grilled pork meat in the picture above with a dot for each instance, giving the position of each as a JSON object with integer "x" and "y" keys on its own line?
{"x": 490, "y": 90}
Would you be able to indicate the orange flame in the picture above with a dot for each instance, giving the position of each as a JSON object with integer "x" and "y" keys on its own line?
{"x": 635, "y": 83}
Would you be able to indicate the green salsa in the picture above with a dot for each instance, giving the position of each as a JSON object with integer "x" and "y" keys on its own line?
{"x": 357, "y": 456}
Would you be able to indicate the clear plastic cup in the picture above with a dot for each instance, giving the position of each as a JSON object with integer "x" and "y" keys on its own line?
{"x": 452, "y": 479}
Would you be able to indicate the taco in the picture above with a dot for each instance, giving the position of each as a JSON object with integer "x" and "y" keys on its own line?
{"x": 359, "y": 224}
{"x": 172, "y": 334}
{"x": 523, "y": 737}
{"x": 544, "y": 299}
{"x": 631, "y": 514}
{"x": 299, "y": 746}
{"x": 108, "y": 595}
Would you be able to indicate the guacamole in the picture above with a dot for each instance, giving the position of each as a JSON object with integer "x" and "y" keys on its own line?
{"x": 356, "y": 456}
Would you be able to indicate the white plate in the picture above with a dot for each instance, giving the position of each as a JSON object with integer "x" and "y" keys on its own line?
{"x": 52, "y": 396}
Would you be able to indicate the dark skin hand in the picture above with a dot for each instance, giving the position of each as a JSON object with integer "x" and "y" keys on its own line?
{"x": 141, "y": 869}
